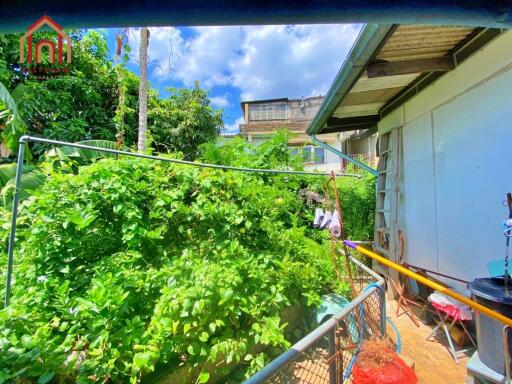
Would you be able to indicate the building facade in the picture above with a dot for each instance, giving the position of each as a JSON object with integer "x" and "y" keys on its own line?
{"x": 264, "y": 117}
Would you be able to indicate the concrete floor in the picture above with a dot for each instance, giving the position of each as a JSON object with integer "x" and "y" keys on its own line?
{"x": 433, "y": 362}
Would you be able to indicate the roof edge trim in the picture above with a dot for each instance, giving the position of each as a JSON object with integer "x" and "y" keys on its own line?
{"x": 369, "y": 41}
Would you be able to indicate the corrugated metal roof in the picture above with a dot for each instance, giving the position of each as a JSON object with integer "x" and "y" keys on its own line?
{"x": 408, "y": 42}
{"x": 405, "y": 58}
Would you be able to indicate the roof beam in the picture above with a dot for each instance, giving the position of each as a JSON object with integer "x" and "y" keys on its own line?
{"x": 370, "y": 40}
{"x": 394, "y": 68}
{"x": 16, "y": 15}
{"x": 411, "y": 90}
{"x": 342, "y": 124}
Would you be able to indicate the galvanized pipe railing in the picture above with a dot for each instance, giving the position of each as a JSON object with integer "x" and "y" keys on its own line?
{"x": 289, "y": 356}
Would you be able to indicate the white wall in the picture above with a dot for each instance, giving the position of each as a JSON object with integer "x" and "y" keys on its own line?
{"x": 457, "y": 164}
{"x": 366, "y": 146}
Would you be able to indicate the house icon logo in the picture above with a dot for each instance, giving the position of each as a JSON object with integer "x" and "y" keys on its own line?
{"x": 45, "y": 43}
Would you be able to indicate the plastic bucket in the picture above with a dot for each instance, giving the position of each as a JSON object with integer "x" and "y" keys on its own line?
{"x": 491, "y": 293}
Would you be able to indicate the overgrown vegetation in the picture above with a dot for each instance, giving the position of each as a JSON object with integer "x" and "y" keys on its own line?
{"x": 184, "y": 121}
{"x": 97, "y": 100}
{"x": 129, "y": 270}
{"x": 131, "y": 267}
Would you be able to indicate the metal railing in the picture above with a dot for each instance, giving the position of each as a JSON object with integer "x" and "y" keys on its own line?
{"x": 328, "y": 354}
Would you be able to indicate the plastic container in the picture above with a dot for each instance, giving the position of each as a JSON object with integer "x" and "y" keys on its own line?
{"x": 491, "y": 293}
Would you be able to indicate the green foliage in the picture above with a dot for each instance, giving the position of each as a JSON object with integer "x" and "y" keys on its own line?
{"x": 30, "y": 182}
{"x": 183, "y": 121}
{"x": 130, "y": 266}
{"x": 357, "y": 198}
{"x": 8, "y": 172}
{"x": 82, "y": 155}
{"x": 274, "y": 153}
{"x": 98, "y": 100}
{"x": 12, "y": 126}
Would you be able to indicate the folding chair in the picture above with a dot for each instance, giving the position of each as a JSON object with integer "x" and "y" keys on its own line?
{"x": 409, "y": 295}
{"x": 404, "y": 303}
{"x": 448, "y": 317}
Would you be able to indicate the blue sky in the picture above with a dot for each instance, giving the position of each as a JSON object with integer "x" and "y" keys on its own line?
{"x": 239, "y": 63}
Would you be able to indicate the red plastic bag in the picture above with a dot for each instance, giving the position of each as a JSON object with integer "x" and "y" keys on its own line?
{"x": 397, "y": 372}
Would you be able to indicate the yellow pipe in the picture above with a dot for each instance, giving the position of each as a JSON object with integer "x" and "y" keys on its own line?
{"x": 429, "y": 283}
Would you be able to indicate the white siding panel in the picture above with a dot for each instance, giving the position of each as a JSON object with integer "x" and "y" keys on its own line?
{"x": 457, "y": 164}
{"x": 474, "y": 172}
{"x": 417, "y": 200}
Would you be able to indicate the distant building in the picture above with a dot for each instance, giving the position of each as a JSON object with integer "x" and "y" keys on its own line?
{"x": 263, "y": 117}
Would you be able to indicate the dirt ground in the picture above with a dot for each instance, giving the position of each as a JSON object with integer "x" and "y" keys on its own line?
{"x": 434, "y": 364}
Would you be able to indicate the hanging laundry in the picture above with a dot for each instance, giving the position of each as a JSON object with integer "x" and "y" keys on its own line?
{"x": 335, "y": 226}
{"x": 327, "y": 220}
{"x": 319, "y": 216}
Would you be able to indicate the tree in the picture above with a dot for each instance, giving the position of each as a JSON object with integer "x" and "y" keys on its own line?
{"x": 184, "y": 121}
{"x": 74, "y": 107}
{"x": 99, "y": 100}
{"x": 143, "y": 89}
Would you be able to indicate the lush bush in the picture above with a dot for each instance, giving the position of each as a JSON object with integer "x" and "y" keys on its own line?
{"x": 129, "y": 267}
{"x": 132, "y": 265}
{"x": 357, "y": 198}
{"x": 273, "y": 153}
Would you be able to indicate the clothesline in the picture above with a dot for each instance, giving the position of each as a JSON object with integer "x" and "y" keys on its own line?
{"x": 26, "y": 139}
{"x": 19, "y": 171}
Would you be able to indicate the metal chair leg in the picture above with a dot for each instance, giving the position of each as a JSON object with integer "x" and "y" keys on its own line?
{"x": 467, "y": 333}
{"x": 450, "y": 342}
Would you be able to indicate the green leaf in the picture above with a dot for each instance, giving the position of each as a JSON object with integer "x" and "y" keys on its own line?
{"x": 90, "y": 154}
{"x": 15, "y": 125}
{"x": 204, "y": 337}
{"x": 8, "y": 172}
{"x": 203, "y": 378}
{"x": 29, "y": 182}
{"x": 141, "y": 359}
{"x": 45, "y": 377}
{"x": 82, "y": 155}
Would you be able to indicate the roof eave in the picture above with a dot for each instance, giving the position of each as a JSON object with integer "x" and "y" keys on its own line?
{"x": 370, "y": 39}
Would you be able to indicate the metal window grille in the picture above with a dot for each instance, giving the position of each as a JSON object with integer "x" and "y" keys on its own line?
{"x": 319, "y": 155}
{"x": 268, "y": 111}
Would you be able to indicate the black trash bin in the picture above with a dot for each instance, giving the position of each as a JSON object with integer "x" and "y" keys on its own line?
{"x": 491, "y": 293}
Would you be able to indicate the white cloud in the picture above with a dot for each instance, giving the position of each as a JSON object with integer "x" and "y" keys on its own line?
{"x": 291, "y": 61}
{"x": 220, "y": 101}
{"x": 261, "y": 61}
{"x": 233, "y": 128}
{"x": 207, "y": 56}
